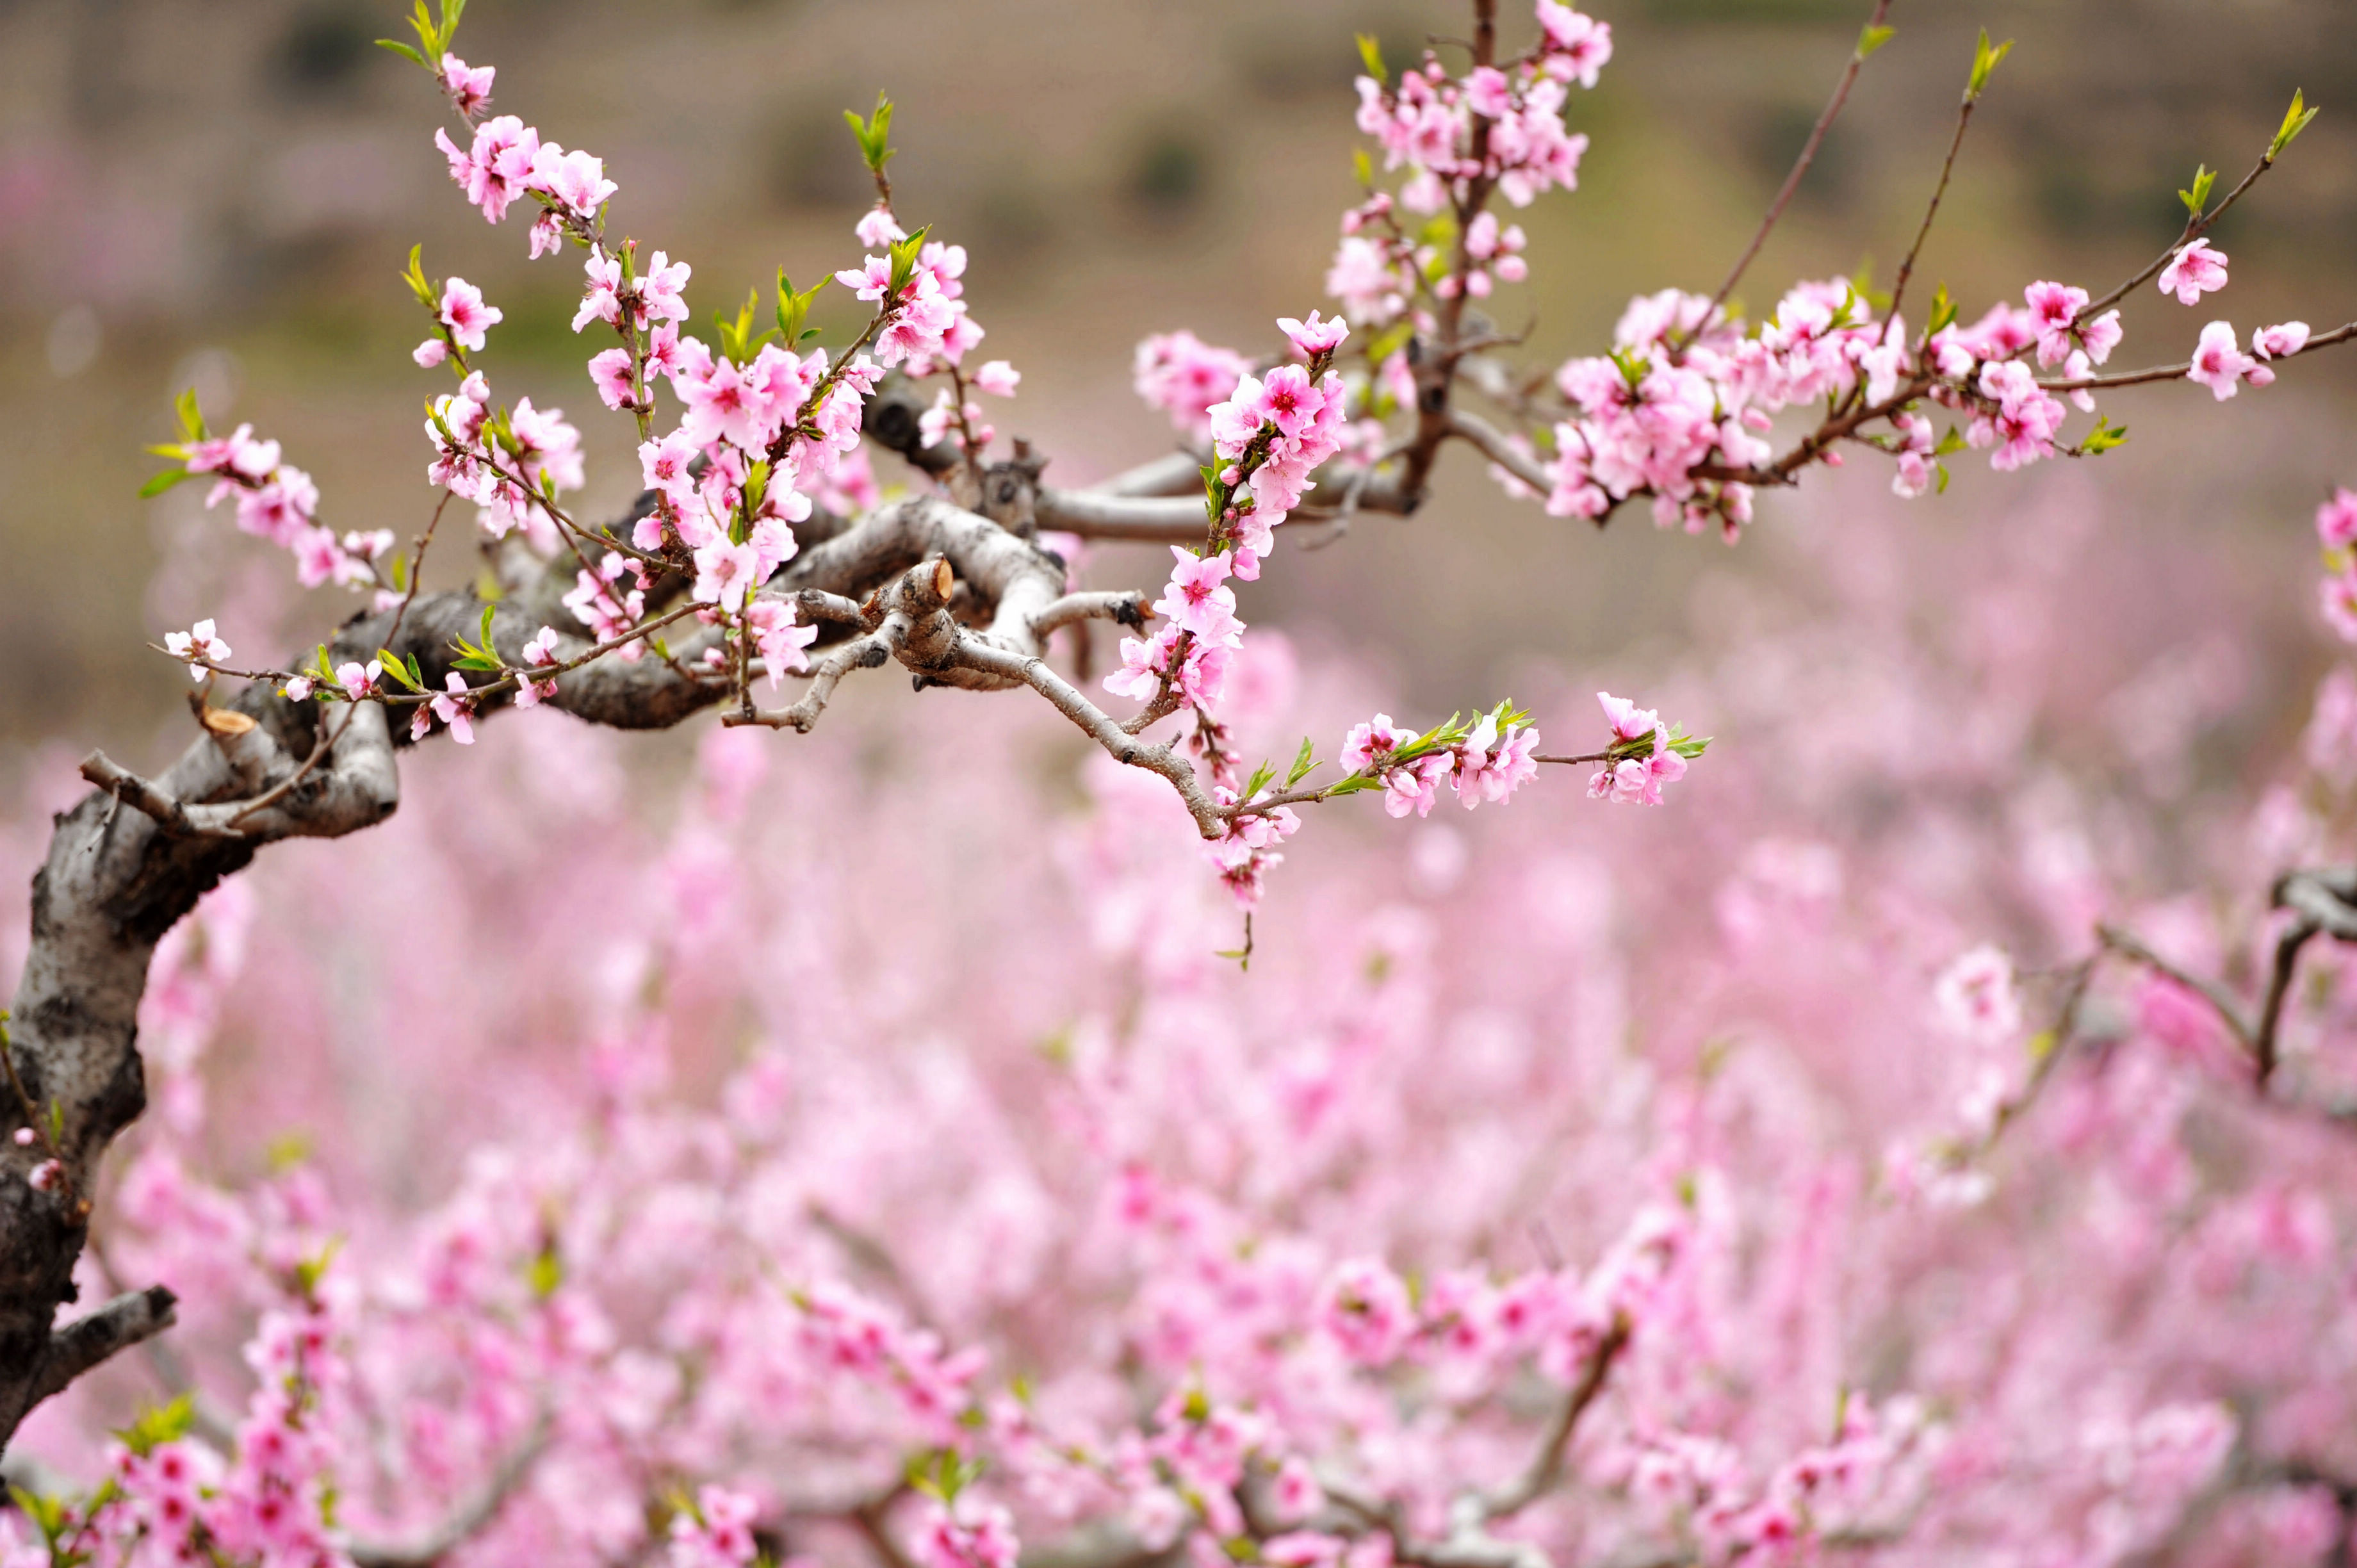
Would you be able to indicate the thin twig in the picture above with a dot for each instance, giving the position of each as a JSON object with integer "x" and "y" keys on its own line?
{"x": 1540, "y": 1476}
{"x": 1801, "y": 165}
{"x": 1907, "y": 267}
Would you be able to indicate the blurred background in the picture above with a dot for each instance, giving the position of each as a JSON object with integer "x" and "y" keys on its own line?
{"x": 220, "y": 195}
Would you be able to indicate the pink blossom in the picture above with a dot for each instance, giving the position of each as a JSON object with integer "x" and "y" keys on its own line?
{"x": 2337, "y": 598}
{"x": 454, "y": 708}
{"x": 357, "y": 681}
{"x": 1628, "y": 720}
{"x": 997, "y": 378}
{"x": 1185, "y": 377}
{"x": 1976, "y": 995}
{"x": 2218, "y": 364}
{"x": 725, "y": 574}
{"x": 1314, "y": 337}
{"x": 574, "y": 181}
{"x": 662, "y": 290}
{"x": 430, "y": 353}
{"x": 716, "y": 1534}
{"x": 1364, "y": 1310}
{"x": 199, "y": 642}
{"x": 465, "y": 314}
{"x": 665, "y": 465}
{"x": 1196, "y": 598}
{"x": 2279, "y": 342}
{"x": 966, "y": 1535}
{"x": 2101, "y": 335}
{"x": 2193, "y": 272}
{"x": 609, "y": 372}
{"x": 780, "y": 637}
{"x": 2336, "y": 521}
{"x": 877, "y": 228}
{"x": 1368, "y": 746}
{"x": 602, "y": 301}
{"x": 1491, "y": 765}
{"x": 495, "y": 169}
{"x": 2055, "y": 308}
{"x": 467, "y": 87}
{"x": 1583, "y": 44}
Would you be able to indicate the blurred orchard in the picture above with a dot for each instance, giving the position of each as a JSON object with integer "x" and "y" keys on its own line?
{"x": 1923, "y": 1133}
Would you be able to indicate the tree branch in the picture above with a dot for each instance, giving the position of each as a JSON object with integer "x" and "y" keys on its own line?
{"x": 84, "y": 1343}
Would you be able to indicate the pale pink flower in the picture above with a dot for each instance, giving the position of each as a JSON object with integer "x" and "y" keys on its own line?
{"x": 2054, "y": 307}
{"x": 1368, "y": 748}
{"x": 576, "y": 181}
{"x": 664, "y": 463}
{"x": 452, "y": 706}
{"x": 2279, "y": 342}
{"x": 1364, "y": 1310}
{"x": 1196, "y": 599}
{"x": 662, "y": 290}
{"x": 780, "y": 637}
{"x": 1314, "y": 337}
{"x": 469, "y": 87}
{"x": 876, "y": 227}
{"x": 966, "y": 1535}
{"x": 2193, "y": 272}
{"x": 602, "y": 301}
{"x": 1628, "y": 720}
{"x": 2336, "y": 521}
{"x": 494, "y": 170}
{"x": 430, "y": 353}
{"x": 199, "y": 642}
{"x": 726, "y": 572}
{"x": 2337, "y": 598}
{"x": 609, "y": 372}
{"x": 465, "y": 314}
{"x": 1976, "y": 995}
{"x": 997, "y": 378}
{"x": 1297, "y": 1492}
{"x": 2218, "y": 364}
{"x": 357, "y": 681}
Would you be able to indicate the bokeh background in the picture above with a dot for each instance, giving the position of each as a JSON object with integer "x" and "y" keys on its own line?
{"x": 220, "y": 194}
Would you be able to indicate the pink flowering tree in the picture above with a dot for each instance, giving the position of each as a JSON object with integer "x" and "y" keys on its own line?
{"x": 1163, "y": 1288}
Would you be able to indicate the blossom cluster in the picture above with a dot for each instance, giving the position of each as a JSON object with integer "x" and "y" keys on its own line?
{"x": 1484, "y": 761}
{"x": 274, "y": 500}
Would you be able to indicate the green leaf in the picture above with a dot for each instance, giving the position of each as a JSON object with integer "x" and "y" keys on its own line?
{"x": 793, "y": 309}
{"x": 397, "y": 47}
{"x": 473, "y": 660}
{"x": 2295, "y": 121}
{"x": 159, "y": 1425}
{"x": 310, "y": 1271}
{"x": 1362, "y": 166}
{"x": 1370, "y": 55}
{"x": 192, "y": 421}
{"x": 414, "y": 276}
{"x": 1943, "y": 311}
{"x": 162, "y": 482}
{"x": 873, "y": 134}
{"x": 1302, "y": 763}
{"x": 1942, "y": 468}
{"x": 394, "y": 667}
{"x": 1259, "y": 780}
{"x": 1951, "y": 442}
{"x": 2104, "y": 437}
{"x": 1985, "y": 61}
{"x": 57, "y": 1122}
{"x": 1872, "y": 38}
{"x": 904, "y": 258}
{"x": 2197, "y": 197}
{"x": 545, "y": 1271}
